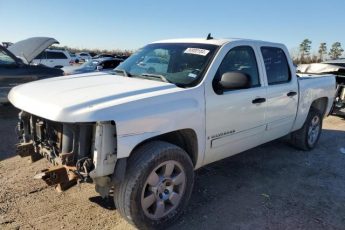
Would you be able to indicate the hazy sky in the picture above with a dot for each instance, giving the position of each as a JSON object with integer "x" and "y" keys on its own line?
{"x": 130, "y": 24}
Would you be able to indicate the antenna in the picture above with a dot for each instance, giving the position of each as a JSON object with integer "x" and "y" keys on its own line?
{"x": 209, "y": 37}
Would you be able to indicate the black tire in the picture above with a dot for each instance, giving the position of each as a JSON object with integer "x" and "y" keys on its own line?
{"x": 128, "y": 195}
{"x": 300, "y": 137}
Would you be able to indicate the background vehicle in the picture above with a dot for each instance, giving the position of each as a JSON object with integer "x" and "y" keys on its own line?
{"x": 338, "y": 62}
{"x": 54, "y": 58}
{"x": 84, "y": 56}
{"x": 13, "y": 72}
{"x": 154, "y": 64}
{"x": 74, "y": 57}
{"x": 124, "y": 57}
{"x": 144, "y": 133}
{"x": 7, "y": 44}
{"x": 101, "y": 64}
{"x": 337, "y": 68}
{"x": 103, "y": 56}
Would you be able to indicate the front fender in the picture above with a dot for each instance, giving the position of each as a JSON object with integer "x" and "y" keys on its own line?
{"x": 160, "y": 115}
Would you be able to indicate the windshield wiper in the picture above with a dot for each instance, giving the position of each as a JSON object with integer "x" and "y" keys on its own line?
{"x": 161, "y": 77}
{"x": 123, "y": 71}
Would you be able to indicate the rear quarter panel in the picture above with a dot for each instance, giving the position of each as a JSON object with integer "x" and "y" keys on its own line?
{"x": 311, "y": 88}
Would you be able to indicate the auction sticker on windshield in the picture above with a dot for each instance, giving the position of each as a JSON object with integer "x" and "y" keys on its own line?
{"x": 196, "y": 51}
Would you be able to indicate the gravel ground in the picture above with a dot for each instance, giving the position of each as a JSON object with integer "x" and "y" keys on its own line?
{"x": 273, "y": 186}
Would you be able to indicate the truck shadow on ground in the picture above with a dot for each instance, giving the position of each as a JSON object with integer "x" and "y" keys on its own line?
{"x": 273, "y": 186}
{"x": 106, "y": 203}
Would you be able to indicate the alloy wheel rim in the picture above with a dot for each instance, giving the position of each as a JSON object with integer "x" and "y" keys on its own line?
{"x": 163, "y": 189}
{"x": 314, "y": 130}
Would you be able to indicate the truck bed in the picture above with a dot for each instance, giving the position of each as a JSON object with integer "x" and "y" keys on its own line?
{"x": 310, "y": 88}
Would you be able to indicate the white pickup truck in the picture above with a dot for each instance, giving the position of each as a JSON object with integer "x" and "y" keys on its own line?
{"x": 143, "y": 132}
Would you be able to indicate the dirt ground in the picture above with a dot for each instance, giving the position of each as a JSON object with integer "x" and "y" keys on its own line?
{"x": 273, "y": 186}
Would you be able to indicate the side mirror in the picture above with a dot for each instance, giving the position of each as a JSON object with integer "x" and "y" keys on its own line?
{"x": 234, "y": 80}
{"x": 99, "y": 67}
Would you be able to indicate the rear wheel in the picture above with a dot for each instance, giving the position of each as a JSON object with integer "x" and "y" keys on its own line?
{"x": 157, "y": 187}
{"x": 307, "y": 137}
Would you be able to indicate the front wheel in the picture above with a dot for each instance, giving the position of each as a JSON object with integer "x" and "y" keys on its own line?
{"x": 307, "y": 137}
{"x": 157, "y": 187}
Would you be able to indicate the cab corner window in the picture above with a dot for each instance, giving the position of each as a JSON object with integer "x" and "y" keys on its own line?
{"x": 240, "y": 59}
{"x": 276, "y": 65}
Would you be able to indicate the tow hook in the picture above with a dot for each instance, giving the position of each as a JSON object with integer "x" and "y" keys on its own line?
{"x": 62, "y": 177}
{"x": 27, "y": 149}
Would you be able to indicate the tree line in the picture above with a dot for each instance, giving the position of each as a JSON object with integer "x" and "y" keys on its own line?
{"x": 305, "y": 57}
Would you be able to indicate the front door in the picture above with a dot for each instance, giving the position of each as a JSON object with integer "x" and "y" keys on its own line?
{"x": 235, "y": 119}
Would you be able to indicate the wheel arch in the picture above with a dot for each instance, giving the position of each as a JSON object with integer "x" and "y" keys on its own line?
{"x": 320, "y": 104}
{"x": 186, "y": 139}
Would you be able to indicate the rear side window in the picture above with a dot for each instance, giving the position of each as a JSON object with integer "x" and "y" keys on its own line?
{"x": 277, "y": 67}
{"x": 55, "y": 55}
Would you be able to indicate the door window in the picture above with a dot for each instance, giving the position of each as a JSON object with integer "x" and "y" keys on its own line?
{"x": 55, "y": 55}
{"x": 276, "y": 65}
{"x": 240, "y": 59}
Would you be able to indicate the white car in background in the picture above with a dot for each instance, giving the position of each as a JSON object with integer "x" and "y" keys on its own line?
{"x": 53, "y": 58}
{"x": 84, "y": 56}
{"x": 154, "y": 64}
{"x": 74, "y": 57}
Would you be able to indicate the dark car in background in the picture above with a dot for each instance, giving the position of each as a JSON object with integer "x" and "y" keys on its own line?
{"x": 100, "y": 64}
{"x": 13, "y": 70}
{"x": 103, "y": 56}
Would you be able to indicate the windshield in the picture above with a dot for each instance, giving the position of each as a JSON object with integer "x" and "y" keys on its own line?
{"x": 182, "y": 64}
{"x": 5, "y": 59}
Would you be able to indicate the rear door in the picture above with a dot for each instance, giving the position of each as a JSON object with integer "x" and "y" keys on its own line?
{"x": 235, "y": 119}
{"x": 282, "y": 92}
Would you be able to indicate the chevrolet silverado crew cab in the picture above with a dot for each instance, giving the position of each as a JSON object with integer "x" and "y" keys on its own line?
{"x": 141, "y": 132}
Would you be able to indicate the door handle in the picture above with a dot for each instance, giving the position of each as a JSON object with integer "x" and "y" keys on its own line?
{"x": 258, "y": 100}
{"x": 291, "y": 94}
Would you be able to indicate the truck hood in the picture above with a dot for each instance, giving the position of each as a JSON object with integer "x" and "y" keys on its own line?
{"x": 77, "y": 98}
{"x": 31, "y": 47}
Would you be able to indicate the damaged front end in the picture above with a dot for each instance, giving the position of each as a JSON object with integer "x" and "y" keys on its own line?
{"x": 78, "y": 151}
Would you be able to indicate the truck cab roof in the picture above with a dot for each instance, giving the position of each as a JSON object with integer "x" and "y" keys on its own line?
{"x": 216, "y": 41}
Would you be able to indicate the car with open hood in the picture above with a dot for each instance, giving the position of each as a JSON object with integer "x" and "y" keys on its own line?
{"x": 16, "y": 68}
